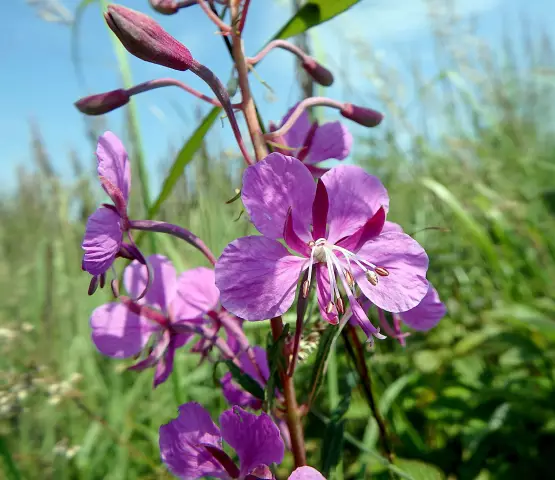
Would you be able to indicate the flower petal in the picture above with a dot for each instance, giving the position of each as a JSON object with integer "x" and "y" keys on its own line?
{"x": 235, "y": 395}
{"x": 331, "y": 140}
{"x": 113, "y": 163}
{"x": 274, "y": 185}
{"x": 297, "y": 134}
{"x": 197, "y": 293}
{"x": 181, "y": 443}
{"x": 354, "y": 196}
{"x": 392, "y": 227}
{"x": 256, "y": 439}
{"x": 102, "y": 240}
{"x": 427, "y": 313}
{"x": 406, "y": 261}
{"x": 306, "y": 473}
{"x": 324, "y": 293}
{"x": 118, "y": 332}
{"x": 161, "y": 292}
{"x": 164, "y": 367}
{"x": 257, "y": 277}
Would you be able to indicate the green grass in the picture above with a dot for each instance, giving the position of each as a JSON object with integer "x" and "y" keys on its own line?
{"x": 473, "y": 398}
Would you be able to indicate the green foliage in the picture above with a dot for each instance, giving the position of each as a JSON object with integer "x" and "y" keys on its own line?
{"x": 246, "y": 381}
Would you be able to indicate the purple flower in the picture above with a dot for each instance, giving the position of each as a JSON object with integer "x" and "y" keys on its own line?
{"x": 312, "y": 143}
{"x": 103, "y": 240}
{"x": 170, "y": 313}
{"x": 336, "y": 228}
{"x": 191, "y": 444}
{"x": 306, "y": 473}
{"x": 257, "y": 368}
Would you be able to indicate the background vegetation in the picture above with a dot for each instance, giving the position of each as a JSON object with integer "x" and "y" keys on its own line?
{"x": 473, "y": 398}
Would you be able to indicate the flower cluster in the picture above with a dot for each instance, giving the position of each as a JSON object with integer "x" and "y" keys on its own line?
{"x": 319, "y": 226}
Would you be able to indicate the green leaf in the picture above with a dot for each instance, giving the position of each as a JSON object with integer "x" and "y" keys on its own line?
{"x": 419, "y": 470}
{"x": 276, "y": 361}
{"x": 183, "y": 158}
{"x": 324, "y": 347}
{"x": 332, "y": 443}
{"x": 246, "y": 381}
{"x": 312, "y": 13}
{"x": 10, "y": 468}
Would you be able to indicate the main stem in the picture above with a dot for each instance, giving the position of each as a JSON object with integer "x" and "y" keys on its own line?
{"x": 294, "y": 422}
{"x": 293, "y": 416}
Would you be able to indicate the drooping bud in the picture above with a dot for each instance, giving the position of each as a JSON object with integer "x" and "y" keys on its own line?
{"x": 165, "y": 7}
{"x": 372, "y": 277}
{"x": 146, "y": 39}
{"x": 317, "y": 72}
{"x": 381, "y": 271}
{"x": 361, "y": 115}
{"x": 103, "y": 102}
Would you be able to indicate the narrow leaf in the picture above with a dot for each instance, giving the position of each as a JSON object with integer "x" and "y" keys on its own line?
{"x": 276, "y": 361}
{"x": 332, "y": 444}
{"x": 183, "y": 158}
{"x": 10, "y": 468}
{"x": 246, "y": 381}
{"x": 312, "y": 13}
{"x": 319, "y": 368}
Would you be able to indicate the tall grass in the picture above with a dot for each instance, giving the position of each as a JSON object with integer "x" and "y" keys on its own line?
{"x": 471, "y": 399}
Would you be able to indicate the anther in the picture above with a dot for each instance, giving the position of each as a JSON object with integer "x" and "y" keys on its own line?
{"x": 350, "y": 278}
{"x": 381, "y": 271}
{"x": 306, "y": 286}
{"x": 312, "y": 244}
{"x": 93, "y": 285}
{"x": 372, "y": 277}
{"x": 329, "y": 308}
{"x": 340, "y": 305}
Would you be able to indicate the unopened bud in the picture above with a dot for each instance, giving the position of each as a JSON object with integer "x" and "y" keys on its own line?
{"x": 372, "y": 277}
{"x": 146, "y": 39}
{"x": 317, "y": 72}
{"x": 103, "y": 102}
{"x": 381, "y": 271}
{"x": 362, "y": 116}
{"x": 165, "y": 7}
{"x": 306, "y": 286}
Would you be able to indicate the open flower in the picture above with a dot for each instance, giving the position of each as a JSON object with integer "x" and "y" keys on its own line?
{"x": 191, "y": 444}
{"x": 312, "y": 143}
{"x": 169, "y": 315}
{"x": 103, "y": 240}
{"x": 336, "y": 228}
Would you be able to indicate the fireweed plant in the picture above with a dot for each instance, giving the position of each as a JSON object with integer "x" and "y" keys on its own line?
{"x": 322, "y": 230}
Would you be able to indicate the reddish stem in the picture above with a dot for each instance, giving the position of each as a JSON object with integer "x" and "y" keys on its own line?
{"x": 244, "y": 16}
{"x": 283, "y": 44}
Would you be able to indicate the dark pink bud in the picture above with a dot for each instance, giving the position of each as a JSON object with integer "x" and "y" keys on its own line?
{"x": 165, "y": 7}
{"x": 146, "y": 39}
{"x": 318, "y": 73}
{"x": 103, "y": 102}
{"x": 363, "y": 116}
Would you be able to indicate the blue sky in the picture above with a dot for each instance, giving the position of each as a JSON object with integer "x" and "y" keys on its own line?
{"x": 38, "y": 79}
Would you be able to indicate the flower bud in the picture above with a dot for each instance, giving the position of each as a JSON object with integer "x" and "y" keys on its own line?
{"x": 317, "y": 72}
{"x": 102, "y": 102}
{"x": 146, "y": 39}
{"x": 165, "y": 7}
{"x": 363, "y": 116}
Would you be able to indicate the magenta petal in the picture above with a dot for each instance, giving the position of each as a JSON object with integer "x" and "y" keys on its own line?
{"x": 274, "y": 185}
{"x": 102, "y": 240}
{"x": 164, "y": 366}
{"x": 255, "y": 438}
{"x": 297, "y": 134}
{"x": 119, "y": 333}
{"x": 161, "y": 292}
{"x": 331, "y": 140}
{"x": 361, "y": 319}
{"x": 113, "y": 163}
{"x": 407, "y": 263}
{"x": 355, "y": 196}
{"x": 324, "y": 293}
{"x": 181, "y": 443}
{"x": 392, "y": 227}
{"x": 306, "y": 473}
{"x": 257, "y": 277}
{"x": 235, "y": 395}
{"x": 427, "y": 313}
{"x": 291, "y": 238}
{"x": 197, "y": 293}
